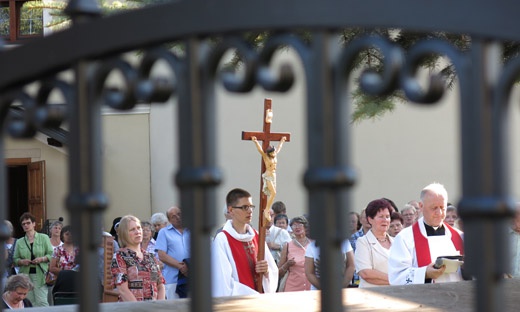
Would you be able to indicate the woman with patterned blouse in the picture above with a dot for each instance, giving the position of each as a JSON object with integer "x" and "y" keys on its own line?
{"x": 65, "y": 255}
{"x": 136, "y": 272}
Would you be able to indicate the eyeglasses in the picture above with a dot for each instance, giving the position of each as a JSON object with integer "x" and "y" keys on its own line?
{"x": 297, "y": 225}
{"x": 26, "y": 223}
{"x": 245, "y": 207}
{"x": 408, "y": 215}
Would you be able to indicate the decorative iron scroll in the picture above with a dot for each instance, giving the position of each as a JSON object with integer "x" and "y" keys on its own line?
{"x": 196, "y": 69}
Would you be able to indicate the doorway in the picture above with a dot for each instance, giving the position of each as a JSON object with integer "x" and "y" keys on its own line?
{"x": 26, "y": 191}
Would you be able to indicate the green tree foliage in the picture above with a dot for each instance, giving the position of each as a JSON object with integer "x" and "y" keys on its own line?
{"x": 31, "y": 19}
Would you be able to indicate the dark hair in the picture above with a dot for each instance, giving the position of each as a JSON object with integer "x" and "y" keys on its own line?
{"x": 27, "y": 215}
{"x": 281, "y": 216}
{"x": 279, "y": 207}
{"x": 377, "y": 205}
{"x": 65, "y": 229}
{"x": 396, "y": 216}
{"x": 270, "y": 149}
{"x": 391, "y": 203}
{"x": 235, "y": 194}
{"x": 113, "y": 230}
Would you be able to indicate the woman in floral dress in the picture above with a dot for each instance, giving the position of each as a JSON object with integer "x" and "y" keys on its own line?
{"x": 136, "y": 272}
{"x": 65, "y": 255}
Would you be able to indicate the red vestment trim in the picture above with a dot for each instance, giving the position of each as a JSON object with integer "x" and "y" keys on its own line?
{"x": 244, "y": 254}
{"x": 422, "y": 248}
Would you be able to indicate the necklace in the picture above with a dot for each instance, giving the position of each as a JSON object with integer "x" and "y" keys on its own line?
{"x": 381, "y": 240}
{"x": 305, "y": 242}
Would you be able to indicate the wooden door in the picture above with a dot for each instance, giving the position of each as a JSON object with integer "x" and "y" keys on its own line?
{"x": 36, "y": 192}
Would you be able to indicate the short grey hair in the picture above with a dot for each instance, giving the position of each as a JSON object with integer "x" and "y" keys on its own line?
{"x": 408, "y": 207}
{"x": 148, "y": 225}
{"x": 158, "y": 217}
{"x": 9, "y": 226}
{"x": 18, "y": 281}
{"x": 53, "y": 224}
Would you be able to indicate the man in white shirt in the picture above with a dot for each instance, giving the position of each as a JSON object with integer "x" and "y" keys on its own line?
{"x": 416, "y": 248}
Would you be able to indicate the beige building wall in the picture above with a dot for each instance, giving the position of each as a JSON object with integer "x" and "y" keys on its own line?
{"x": 126, "y": 155}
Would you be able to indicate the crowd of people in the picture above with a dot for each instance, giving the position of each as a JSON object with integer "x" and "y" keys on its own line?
{"x": 151, "y": 258}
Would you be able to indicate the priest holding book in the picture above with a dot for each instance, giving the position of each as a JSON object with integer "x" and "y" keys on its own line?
{"x": 415, "y": 248}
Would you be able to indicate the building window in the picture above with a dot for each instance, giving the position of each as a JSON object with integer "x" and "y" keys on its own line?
{"x": 20, "y": 20}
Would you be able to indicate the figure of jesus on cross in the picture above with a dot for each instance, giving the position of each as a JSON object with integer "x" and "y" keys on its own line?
{"x": 269, "y": 162}
{"x": 269, "y": 175}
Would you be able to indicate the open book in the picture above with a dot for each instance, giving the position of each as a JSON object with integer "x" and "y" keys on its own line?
{"x": 452, "y": 263}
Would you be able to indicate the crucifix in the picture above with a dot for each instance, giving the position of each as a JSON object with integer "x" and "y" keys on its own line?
{"x": 268, "y": 173}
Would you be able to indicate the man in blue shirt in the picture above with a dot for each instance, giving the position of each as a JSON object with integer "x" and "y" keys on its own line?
{"x": 173, "y": 246}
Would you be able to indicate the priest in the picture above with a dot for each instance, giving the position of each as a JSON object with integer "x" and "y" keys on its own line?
{"x": 234, "y": 252}
{"x": 415, "y": 248}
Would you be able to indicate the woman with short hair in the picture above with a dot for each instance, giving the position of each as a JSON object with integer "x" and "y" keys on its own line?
{"x": 55, "y": 234}
{"x": 373, "y": 249}
{"x": 32, "y": 254}
{"x": 16, "y": 290}
{"x": 396, "y": 224}
{"x": 136, "y": 272}
{"x": 148, "y": 242}
{"x": 158, "y": 221}
{"x": 292, "y": 260}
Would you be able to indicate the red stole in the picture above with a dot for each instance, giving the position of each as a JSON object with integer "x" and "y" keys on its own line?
{"x": 422, "y": 248}
{"x": 244, "y": 254}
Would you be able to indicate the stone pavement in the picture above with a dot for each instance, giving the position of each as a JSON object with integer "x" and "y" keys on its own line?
{"x": 453, "y": 297}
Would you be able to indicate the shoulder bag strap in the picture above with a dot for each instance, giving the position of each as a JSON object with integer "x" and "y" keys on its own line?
{"x": 32, "y": 255}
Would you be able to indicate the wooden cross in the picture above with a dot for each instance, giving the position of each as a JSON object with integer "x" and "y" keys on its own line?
{"x": 266, "y": 136}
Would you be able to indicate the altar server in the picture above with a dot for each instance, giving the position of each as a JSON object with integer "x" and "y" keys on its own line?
{"x": 234, "y": 252}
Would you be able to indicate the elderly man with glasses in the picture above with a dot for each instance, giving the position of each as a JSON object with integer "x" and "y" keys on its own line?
{"x": 235, "y": 249}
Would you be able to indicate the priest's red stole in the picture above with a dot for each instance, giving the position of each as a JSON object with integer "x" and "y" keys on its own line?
{"x": 244, "y": 254}
{"x": 422, "y": 248}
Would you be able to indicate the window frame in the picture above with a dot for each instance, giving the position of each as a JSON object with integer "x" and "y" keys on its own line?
{"x": 15, "y": 10}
